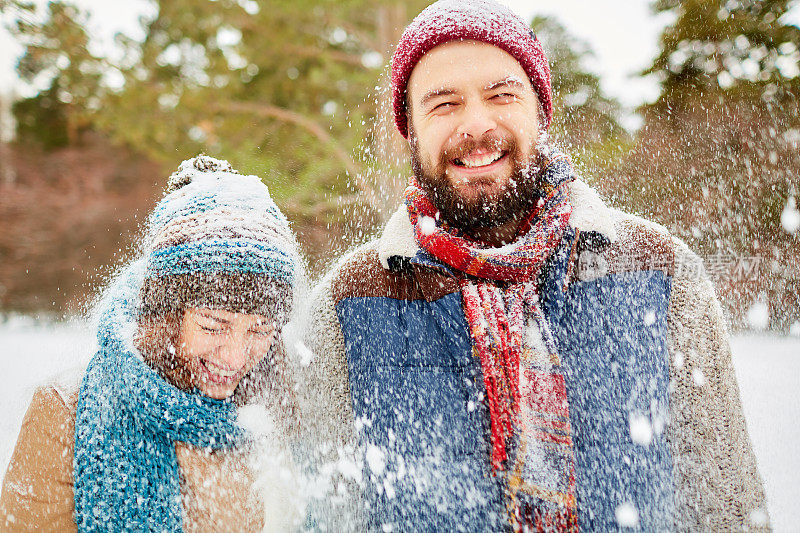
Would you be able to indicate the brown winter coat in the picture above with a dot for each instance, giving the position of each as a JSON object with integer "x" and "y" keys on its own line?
{"x": 38, "y": 487}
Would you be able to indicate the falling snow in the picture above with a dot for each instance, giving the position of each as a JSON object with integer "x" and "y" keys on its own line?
{"x": 641, "y": 429}
{"x": 376, "y": 459}
{"x": 627, "y": 515}
{"x": 767, "y": 369}
{"x": 790, "y": 216}
{"x": 758, "y": 316}
{"x": 427, "y": 225}
{"x": 698, "y": 377}
{"x": 761, "y": 379}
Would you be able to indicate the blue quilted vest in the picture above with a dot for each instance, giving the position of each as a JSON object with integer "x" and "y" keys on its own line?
{"x": 417, "y": 392}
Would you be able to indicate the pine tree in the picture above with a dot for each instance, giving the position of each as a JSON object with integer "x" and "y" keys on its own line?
{"x": 717, "y": 158}
{"x": 285, "y": 90}
{"x": 57, "y": 55}
{"x": 583, "y": 114}
{"x": 728, "y": 45}
{"x": 282, "y": 89}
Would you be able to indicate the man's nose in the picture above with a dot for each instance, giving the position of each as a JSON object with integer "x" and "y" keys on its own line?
{"x": 478, "y": 119}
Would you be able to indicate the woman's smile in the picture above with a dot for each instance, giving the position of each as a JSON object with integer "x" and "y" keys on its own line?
{"x": 216, "y": 373}
{"x": 222, "y": 346}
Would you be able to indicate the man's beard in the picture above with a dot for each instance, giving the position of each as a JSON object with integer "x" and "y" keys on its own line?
{"x": 515, "y": 200}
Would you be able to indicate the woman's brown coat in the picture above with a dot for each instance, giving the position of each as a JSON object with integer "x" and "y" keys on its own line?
{"x": 38, "y": 493}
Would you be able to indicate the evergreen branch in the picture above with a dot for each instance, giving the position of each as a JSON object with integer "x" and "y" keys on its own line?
{"x": 312, "y": 51}
{"x": 292, "y": 117}
{"x": 362, "y": 37}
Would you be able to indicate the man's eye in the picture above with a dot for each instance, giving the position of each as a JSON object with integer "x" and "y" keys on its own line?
{"x": 505, "y": 96}
{"x": 210, "y": 329}
{"x": 444, "y": 106}
{"x": 263, "y": 333}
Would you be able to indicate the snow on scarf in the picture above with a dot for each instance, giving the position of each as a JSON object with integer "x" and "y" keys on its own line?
{"x": 499, "y": 292}
{"x": 128, "y": 419}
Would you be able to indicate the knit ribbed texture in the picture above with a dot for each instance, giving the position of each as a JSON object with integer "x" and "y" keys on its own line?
{"x": 219, "y": 221}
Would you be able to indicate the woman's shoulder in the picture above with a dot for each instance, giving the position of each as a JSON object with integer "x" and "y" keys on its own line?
{"x": 49, "y": 424}
{"x": 53, "y": 406}
{"x": 38, "y": 485}
{"x": 67, "y": 386}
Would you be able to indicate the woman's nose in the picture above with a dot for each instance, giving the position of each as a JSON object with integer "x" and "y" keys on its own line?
{"x": 234, "y": 352}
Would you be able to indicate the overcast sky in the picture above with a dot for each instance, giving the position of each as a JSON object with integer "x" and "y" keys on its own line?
{"x": 623, "y": 34}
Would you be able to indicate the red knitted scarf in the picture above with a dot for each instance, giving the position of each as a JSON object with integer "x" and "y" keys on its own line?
{"x": 499, "y": 290}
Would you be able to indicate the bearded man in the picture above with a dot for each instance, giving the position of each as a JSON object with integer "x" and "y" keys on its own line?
{"x": 511, "y": 353}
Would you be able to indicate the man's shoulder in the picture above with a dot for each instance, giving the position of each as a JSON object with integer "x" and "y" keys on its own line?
{"x": 634, "y": 233}
{"x": 635, "y": 242}
{"x": 360, "y": 274}
{"x": 641, "y": 244}
{"x": 362, "y": 259}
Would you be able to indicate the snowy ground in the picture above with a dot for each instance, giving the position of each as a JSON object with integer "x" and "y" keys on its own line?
{"x": 768, "y": 369}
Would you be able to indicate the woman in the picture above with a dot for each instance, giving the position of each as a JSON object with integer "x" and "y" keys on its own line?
{"x": 189, "y": 335}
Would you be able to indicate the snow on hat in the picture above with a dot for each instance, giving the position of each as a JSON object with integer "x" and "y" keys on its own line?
{"x": 218, "y": 240}
{"x": 478, "y": 20}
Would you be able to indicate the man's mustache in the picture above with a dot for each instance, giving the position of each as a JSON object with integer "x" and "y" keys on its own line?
{"x": 487, "y": 142}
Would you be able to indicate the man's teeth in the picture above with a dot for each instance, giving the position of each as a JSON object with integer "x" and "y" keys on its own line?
{"x": 472, "y": 161}
{"x": 219, "y": 371}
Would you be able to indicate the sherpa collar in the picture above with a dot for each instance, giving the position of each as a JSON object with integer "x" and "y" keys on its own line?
{"x": 589, "y": 213}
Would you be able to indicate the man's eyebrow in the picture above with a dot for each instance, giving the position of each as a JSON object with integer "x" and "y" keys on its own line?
{"x": 443, "y": 91}
{"x": 511, "y": 81}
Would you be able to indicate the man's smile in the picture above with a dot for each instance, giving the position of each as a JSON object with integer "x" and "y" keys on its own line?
{"x": 479, "y": 161}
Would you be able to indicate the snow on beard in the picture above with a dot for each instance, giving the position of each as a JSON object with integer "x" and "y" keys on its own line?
{"x": 516, "y": 198}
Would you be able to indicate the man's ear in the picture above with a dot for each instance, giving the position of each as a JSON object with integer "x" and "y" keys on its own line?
{"x": 412, "y": 135}
{"x": 409, "y": 128}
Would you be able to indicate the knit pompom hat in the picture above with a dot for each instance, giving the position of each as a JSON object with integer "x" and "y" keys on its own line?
{"x": 478, "y": 20}
{"x": 218, "y": 240}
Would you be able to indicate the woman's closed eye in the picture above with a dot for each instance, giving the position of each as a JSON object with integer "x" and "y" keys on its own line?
{"x": 264, "y": 330}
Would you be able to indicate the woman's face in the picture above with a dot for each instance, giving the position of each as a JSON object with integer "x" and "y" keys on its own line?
{"x": 219, "y": 347}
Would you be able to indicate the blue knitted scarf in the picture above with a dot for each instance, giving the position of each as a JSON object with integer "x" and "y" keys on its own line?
{"x": 128, "y": 419}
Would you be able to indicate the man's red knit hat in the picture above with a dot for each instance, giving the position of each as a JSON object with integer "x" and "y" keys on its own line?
{"x": 478, "y": 20}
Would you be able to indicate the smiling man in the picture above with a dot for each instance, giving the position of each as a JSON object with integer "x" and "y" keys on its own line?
{"x": 473, "y": 135}
{"x": 511, "y": 353}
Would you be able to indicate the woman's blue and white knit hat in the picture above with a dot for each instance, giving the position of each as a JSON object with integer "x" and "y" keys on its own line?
{"x": 218, "y": 240}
